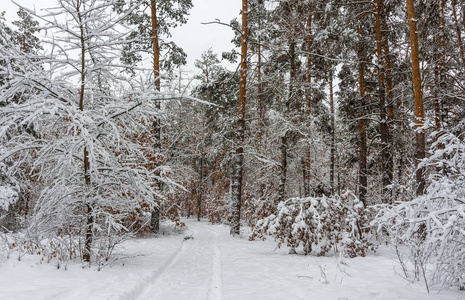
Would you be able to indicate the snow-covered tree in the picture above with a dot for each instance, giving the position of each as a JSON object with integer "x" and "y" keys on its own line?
{"x": 74, "y": 120}
{"x": 153, "y": 20}
{"x": 432, "y": 225}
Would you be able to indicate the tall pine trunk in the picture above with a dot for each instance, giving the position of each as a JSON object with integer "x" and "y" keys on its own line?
{"x": 261, "y": 116}
{"x": 386, "y": 159}
{"x": 362, "y": 177}
{"x": 155, "y": 217}
{"x": 389, "y": 107}
{"x": 284, "y": 138}
{"x": 437, "y": 70}
{"x": 259, "y": 84}
{"x": 443, "y": 101}
{"x": 236, "y": 186}
{"x": 333, "y": 131}
{"x": 459, "y": 33}
{"x": 419, "y": 109}
{"x": 308, "y": 110}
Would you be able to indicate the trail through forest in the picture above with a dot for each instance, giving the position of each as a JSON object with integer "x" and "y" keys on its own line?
{"x": 205, "y": 262}
{"x": 193, "y": 272}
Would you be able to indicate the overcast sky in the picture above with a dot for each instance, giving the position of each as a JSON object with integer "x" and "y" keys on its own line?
{"x": 193, "y": 37}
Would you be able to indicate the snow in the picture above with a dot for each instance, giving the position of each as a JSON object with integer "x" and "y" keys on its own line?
{"x": 8, "y": 196}
{"x": 214, "y": 265}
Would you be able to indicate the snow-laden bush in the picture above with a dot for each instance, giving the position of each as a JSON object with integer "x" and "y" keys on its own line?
{"x": 432, "y": 226}
{"x": 60, "y": 250}
{"x": 319, "y": 224}
{"x": 8, "y": 197}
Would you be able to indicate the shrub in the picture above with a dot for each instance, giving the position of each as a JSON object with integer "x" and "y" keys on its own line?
{"x": 319, "y": 225}
{"x": 432, "y": 226}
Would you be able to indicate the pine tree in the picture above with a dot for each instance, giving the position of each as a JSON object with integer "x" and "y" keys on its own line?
{"x": 25, "y": 34}
{"x": 419, "y": 110}
{"x": 164, "y": 15}
{"x": 236, "y": 184}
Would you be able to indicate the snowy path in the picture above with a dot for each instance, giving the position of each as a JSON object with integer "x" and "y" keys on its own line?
{"x": 195, "y": 271}
{"x": 213, "y": 266}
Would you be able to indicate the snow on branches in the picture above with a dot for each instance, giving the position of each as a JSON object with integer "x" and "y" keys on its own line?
{"x": 89, "y": 145}
{"x": 432, "y": 226}
{"x": 319, "y": 224}
{"x": 8, "y": 197}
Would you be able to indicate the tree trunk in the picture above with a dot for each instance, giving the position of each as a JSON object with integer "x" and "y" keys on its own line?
{"x": 87, "y": 180}
{"x": 155, "y": 218}
{"x": 440, "y": 88}
{"x": 333, "y": 130}
{"x": 261, "y": 116}
{"x": 389, "y": 163}
{"x": 236, "y": 194}
{"x": 437, "y": 102}
{"x": 284, "y": 138}
{"x": 282, "y": 177}
{"x": 200, "y": 190}
{"x": 308, "y": 111}
{"x": 442, "y": 66}
{"x": 419, "y": 110}
{"x": 386, "y": 159}
{"x": 459, "y": 33}
{"x": 362, "y": 177}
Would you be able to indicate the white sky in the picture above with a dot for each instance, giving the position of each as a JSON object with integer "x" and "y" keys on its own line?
{"x": 193, "y": 37}
{"x": 196, "y": 38}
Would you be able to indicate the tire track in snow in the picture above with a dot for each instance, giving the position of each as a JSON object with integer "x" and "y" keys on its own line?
{"x": 143, "y": 285}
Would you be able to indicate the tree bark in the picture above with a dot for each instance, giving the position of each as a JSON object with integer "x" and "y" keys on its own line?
{"x": 390, "y": 151}
{"x": 87, "y": 180}
{"x": 388, "y": 108}
{"x": 386, "y": 159}
{"x": 282, "y": 178}
{"x": 436, "y": 104}
{"x": 333, "y": 130}
{"x": 261, "y": 116}
{"x": 308, "y": 111}
{"x": 236, "y": 195}
{"x": 419, "y": 109}
{"x": 443, "y": 98}
{"x": 459, "y": 33}
{"x": 200, "y": 190}
{"x": 155, "y": 217}
{"x": 362, "y": 177}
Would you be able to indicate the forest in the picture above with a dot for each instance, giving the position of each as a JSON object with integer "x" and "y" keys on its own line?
{"x": 340, "y": 131}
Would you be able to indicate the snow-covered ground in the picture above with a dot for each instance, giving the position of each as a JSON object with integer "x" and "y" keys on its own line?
{"x": 214, "y": 265}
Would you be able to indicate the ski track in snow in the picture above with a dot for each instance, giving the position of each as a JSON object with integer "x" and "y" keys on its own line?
{"x": 194, "y": 272}
{"x": 216, "y": 283}
{"x": 139, "y": 290}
